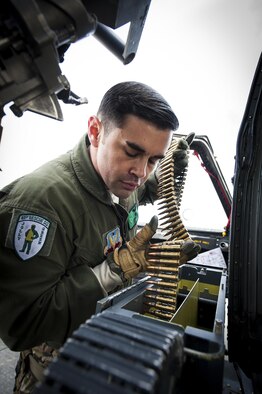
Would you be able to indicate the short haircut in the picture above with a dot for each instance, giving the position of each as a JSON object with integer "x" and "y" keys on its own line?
{"x": 135, "y": 98}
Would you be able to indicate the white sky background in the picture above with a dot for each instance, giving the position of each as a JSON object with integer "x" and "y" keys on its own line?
{"x": 200, "y": 55}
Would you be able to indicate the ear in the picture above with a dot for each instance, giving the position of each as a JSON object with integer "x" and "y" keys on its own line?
{"x": 94, "y": 130}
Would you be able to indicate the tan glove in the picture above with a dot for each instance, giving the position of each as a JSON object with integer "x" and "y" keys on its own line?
{"x": 131, "y": 256}
{"x": 178, "y": 251}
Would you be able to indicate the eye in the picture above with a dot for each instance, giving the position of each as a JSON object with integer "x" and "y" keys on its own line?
{"x": 131, "y": 154}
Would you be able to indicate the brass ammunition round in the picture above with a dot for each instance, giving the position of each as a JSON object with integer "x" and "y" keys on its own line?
{"x": 166, "y": 188}
{"x": 163, "y": 276}
{"x": 177, "y": 233}
{"x": 172, "y": 221}
{"x": 164, "y": 316}
{"x": 166, "y": 246}
{"x": 165, "y": 194}
{"x": 163, "y": 261}
{"x": 168, "y": 251}
{"x": 162, "y": 253}
{"x": 168, "y": 157}
{"x": 160, "y": 306}
{"x": 166, "y": 170}
{"x": 169, "y": 199}
{"x": 164, "y": 284}
{"x": 181, "y": 233}
{"x": 167, "y": 300}
{"x": 170, "y": 292}
{"x": 171, "y": 213}
{"x": 163, "y": 268}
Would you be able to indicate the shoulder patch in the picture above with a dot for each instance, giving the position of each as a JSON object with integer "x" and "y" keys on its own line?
{"x": 30, "y": 234}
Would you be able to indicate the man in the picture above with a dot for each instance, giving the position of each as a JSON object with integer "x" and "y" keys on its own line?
{"x": 30, "y": 235}
{"x": 83, "y": 206}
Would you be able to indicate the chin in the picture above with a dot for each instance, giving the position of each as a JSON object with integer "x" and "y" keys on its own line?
{"x": 123, "y": 193}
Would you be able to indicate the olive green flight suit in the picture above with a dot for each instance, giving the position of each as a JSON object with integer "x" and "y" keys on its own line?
{"x": 48, "y": 292}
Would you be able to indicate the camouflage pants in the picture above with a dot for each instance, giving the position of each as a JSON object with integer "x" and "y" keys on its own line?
{"x": 30, "y": 367}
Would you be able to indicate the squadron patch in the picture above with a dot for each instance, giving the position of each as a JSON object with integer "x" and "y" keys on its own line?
{"x": 28, "y": 234}
{"x": 112, "y": 240}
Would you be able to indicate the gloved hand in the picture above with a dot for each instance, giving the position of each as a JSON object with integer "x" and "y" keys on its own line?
{"x": 189, "y": 251}
{"x": 177, "y": 251}
{"x": 180, "y": 157}
{"x": 130, "y": 257}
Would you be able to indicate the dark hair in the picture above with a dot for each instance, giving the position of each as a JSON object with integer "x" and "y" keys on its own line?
{"x": 135, "y": 98}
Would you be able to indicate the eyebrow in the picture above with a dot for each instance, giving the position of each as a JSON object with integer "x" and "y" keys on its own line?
{"x": 134, "y": 146}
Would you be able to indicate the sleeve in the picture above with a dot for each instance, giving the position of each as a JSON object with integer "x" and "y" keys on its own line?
{"x": 46, "y": 297}
{"x": 108, "y": 279}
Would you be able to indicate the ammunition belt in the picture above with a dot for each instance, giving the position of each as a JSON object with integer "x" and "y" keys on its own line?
{"x": 164, "y": 260}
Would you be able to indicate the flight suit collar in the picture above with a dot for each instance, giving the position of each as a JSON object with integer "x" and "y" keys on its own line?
{"x": 86, "y": 172}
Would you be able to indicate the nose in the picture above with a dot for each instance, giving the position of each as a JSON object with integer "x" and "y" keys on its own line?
{"x": 139, "y": 168}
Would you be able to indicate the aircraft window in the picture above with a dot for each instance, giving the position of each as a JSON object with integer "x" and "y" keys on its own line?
{"x": 201, "y": 207}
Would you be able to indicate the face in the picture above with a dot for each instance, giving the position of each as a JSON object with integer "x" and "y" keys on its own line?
{"x": 125, "y": 157}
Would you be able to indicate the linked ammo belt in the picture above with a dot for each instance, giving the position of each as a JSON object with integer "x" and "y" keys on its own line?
{"x": 160, "y": 297}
